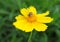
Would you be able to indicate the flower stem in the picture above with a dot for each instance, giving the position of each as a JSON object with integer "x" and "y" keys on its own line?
{"x": 29, "y": 39}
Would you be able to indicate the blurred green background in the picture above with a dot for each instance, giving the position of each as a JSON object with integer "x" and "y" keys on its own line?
{"x": 10, "y": 8}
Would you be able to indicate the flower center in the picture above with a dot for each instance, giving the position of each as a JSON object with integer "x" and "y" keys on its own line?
{"x": 31, "y": 17}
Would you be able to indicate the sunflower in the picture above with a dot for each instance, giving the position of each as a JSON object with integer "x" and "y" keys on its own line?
{"x": 30, "y": 20}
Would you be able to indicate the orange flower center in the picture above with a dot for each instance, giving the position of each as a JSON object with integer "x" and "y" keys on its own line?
{"x": 31, "y": 17}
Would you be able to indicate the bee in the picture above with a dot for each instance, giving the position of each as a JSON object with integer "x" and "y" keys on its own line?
{"x": 30, "y": 14}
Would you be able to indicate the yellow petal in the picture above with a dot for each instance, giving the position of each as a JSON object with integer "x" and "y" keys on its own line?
{"x": 32, "y": 9}
{"x": 44, "y": 19}
{"x": 24, "y": 12}
{"x": 40, "y": 27}
{"x": 28, "y": 27}
{"x": 19, "y": 17}
{"x": 19, "y": 24}
{"x": 43, "y": 14}
{"x": 22, "y": 24}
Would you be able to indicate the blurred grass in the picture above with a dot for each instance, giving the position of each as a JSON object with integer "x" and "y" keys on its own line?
{"x": 10, "y": 8}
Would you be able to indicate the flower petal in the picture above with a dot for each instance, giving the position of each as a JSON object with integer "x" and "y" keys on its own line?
{"x": 32, "y": 9}
{"x": 40, "y": 27}
{"x": 24, "y": 12}
{"x": 43, "y": 14}
{"x": 22, "y": 24}
{"x": 19, "y": 17}
{"x": 19, "y": 24}
{"x": 28, "y": 27}
{"x": 44, "y": 19}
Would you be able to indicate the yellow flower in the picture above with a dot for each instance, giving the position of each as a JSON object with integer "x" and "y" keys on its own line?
{"x": 30, "y": 20}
